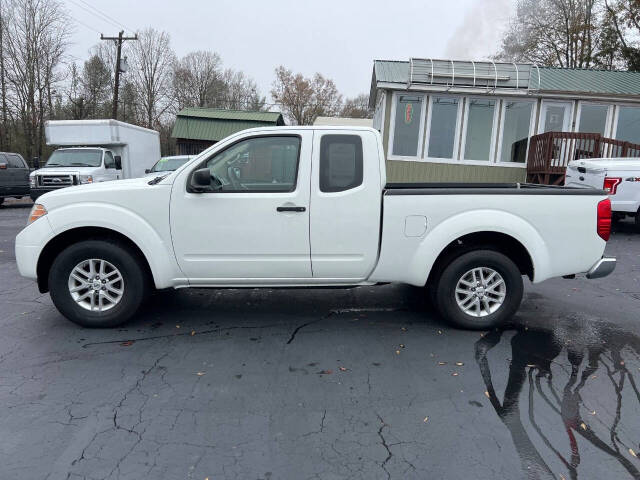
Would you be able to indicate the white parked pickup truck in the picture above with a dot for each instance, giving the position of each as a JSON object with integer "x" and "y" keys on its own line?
{"x": 619, "y": 177}
{"x": 307, "y": 206}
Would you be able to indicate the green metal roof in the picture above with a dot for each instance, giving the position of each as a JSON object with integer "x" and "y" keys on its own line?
{"x": 559, "y": 80}
{"x": 224, "y": 114}
{"x": 612, "y": 82}
{"x": 212, "y": 124}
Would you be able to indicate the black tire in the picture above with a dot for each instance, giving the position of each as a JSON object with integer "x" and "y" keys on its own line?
{"x": 637, "y": 221}
{"x": 1, "y": 201}
{"x": 451, "y": 275}
{"x": 135, "y": 289}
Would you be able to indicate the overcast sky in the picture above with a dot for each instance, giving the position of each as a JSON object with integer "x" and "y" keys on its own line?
{"x": 338, "y": 38}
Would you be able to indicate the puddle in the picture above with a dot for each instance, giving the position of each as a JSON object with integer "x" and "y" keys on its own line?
{"x": 570, "y": 393}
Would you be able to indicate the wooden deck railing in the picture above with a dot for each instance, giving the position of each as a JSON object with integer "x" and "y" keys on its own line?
{"x": 551, "y": 152}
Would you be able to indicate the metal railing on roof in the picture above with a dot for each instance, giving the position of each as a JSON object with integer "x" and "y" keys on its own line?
{"x": 487, "y": 75}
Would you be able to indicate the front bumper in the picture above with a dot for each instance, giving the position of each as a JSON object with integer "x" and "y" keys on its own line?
{"x": 29, "y": 244}
{"x": 602, "y": 268}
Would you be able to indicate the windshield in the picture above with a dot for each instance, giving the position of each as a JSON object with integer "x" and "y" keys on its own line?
{"x": 169, "y": 164}
{"x": 75, "y": 158}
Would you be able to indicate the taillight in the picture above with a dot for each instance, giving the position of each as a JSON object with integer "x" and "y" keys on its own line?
{"x": 604, "y": 219}
{"x": 611, "y": 184}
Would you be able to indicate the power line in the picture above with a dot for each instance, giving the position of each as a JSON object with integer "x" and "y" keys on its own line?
{"x": 99, "y": 15}
{"x": 83, "y": 24}
{"x": 107, "y": 16}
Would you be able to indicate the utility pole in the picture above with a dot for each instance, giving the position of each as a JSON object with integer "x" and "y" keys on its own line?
{"x": 119, "y": 39}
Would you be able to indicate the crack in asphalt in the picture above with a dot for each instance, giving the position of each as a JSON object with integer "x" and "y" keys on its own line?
{"x": 181, "y": 334}
{"x": 383, "y": 441}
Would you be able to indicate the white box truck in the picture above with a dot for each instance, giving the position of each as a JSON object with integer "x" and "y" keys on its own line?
{"x": 619, "y": 177}
{"x": 94, "y": 151}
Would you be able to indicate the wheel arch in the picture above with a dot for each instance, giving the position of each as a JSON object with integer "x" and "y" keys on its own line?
{"x": 74, "y": 235}
{"x": 487, "y": 240}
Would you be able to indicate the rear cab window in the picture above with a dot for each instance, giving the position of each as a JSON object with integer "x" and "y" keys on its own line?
{"x": 341, "y": 162}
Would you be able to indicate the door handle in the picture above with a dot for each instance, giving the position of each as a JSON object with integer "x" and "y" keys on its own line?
{"x": 291, "y": 209}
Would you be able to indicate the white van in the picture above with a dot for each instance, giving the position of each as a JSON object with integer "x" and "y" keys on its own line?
{"x": 619, "y": 177}
{"x": 94, "y": 151}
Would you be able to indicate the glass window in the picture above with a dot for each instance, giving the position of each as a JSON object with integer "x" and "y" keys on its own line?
{"x": 593, "y": 118}
{"x": 628, "y": 124}
{"x": 479, "y": 129}
{"x": 516, "y": 126}
{"x": 109, "y": 161}
{"x": 340, "y": 162}
{"x": 260, "y": 164}
{"x": 81, "y": 157}
{"x": 442, "y": 134}
{"x": 15, "y": 161}
{"x": 407, "y": 125}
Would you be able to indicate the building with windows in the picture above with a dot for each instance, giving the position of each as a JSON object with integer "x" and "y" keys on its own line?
{"x": 466, "y": 121}
{"x": 198, "y": 128}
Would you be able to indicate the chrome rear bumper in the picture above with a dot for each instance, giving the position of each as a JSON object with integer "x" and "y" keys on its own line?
{"x": 602, "y": 268}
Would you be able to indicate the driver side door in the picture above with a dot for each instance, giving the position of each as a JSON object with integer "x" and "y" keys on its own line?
{"x": 256, "y": 226}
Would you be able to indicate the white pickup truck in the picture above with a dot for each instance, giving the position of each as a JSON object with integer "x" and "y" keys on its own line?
{"x": 307, "y": 206}
{"x": 619, "y": 177}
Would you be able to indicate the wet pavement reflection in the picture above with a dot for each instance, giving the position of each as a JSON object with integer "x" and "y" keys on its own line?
{"x": 569, "y": 392}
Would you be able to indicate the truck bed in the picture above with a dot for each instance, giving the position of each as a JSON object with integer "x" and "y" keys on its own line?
{"x": 485, "y": 189}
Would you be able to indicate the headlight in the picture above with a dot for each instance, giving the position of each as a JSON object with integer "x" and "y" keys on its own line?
{"x": 86, "y": 179}
{"x": 32, "y": 181}
{"x": 37, "y": 211}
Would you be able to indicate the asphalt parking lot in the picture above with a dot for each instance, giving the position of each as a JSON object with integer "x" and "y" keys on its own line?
{"x": 322, "y": 384}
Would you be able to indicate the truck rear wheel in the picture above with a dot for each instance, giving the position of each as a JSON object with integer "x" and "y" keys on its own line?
{"x": 98, "y": 283}
{"x": 479, "y": 290}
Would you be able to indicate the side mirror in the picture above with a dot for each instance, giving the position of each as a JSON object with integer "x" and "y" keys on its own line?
{"x": 3, "y": 166}
{"x": 118, "y": 160}
{"x": 36, "y": 163}
{"x": 201, "y": 180}
{"x": 147, "y": 170}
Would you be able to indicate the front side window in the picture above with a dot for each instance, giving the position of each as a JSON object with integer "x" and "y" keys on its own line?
{"x": 260, "y": 164}
{"x": 442, "y": 133}
{"x": 406, "y": 133}
{"x": 15, "y": 161}
{"x": 515, "y": 131}
{"x": 593, "y": 118}
{"x": 479, "y": 129}
{"x": 628, "y": 124}
{"x": 340, "y": 162}
{"x": 109, "y": 161}
{"x": 82, "y": 157}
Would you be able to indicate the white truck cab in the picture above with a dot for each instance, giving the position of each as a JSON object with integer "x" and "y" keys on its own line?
{"x": 619, "y": 177}
{"x": 94, "y": 151}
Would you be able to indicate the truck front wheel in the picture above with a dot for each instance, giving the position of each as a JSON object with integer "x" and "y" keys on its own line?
{"x": 98, "y": 283}
{"x": 479, "y": 290}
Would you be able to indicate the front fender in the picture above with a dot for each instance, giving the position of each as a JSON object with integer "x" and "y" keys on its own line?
{"x": 155, "y": 245}
{"x": 473, "y": 222}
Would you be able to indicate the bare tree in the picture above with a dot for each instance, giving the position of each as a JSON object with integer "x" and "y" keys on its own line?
{"x": 197, "y": 77}
{"x": 357, "y": 107}
{"x": 240, "y": 92}
{"x": 554, "y": 32}
{"x": 305, "y": 99}
{"x": 152, "y": 72}
{"x": 36, "y": 35}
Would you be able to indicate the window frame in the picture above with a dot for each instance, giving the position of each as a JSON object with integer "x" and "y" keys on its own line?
{"x": 608, "y": 122}
{"x": 465, "y": 127}
{"x": 392, "y": 127}
{"x": 532, "y": 129}
{"x": 616, "y": 115}
{"x": 456, "y": 136}
{"x": 359, "y": 167}
{"x": 18, "y": 158}
{"x": 203, "y": 164}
